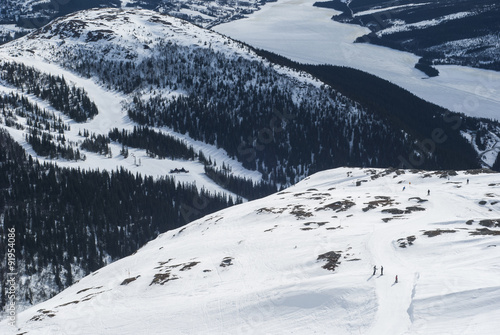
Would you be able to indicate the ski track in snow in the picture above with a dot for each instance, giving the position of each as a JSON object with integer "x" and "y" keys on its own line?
{"x": 307, "y": 34}
{"x": 394, "y": 298}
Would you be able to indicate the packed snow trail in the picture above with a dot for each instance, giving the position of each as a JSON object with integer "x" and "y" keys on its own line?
{"x": 393, "y": 298}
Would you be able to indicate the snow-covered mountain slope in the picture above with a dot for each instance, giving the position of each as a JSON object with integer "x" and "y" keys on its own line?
{"x": 91, "y": 43}
{"x": 304, "y": 33}
{"x": 122, "y": 34}
{"x": 21, "y": 93}
{"x": 106, "y": 31}
{"x": 156, "y": 65}
{"x": 172, "y": 70}
{"x": 301, "y": 262}
{"x": 232, "y": 107}
{"x": 19, "y": 17}
{"x": 111, "y": 115}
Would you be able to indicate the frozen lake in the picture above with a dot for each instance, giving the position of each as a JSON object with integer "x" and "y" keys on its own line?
{"x": 304, "y": 33}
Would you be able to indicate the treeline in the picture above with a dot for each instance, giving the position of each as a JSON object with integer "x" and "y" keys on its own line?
{"x": 45, "y": 131}
{"x": 65, "y": 98}
{"x": 403, "y": 111}
{"x": 43, "y": 144}
{"x": 426, "y": 67}
{"x": 35, "y": 116}
{"x": 267, "y": 131}
{"x": 164, "y": 146}
{"x": 67, "y": 219}
{"x": 96, "y": 143}
{"x": 244, "y": 187}
{"x": 155, "y": 143}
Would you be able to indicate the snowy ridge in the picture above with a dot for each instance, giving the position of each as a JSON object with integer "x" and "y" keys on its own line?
{"x": 301, "y": 261}
{"x": 122, "y": 33}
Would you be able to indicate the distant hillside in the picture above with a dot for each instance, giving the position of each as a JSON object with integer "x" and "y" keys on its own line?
{"x": 32, "y": 14}
{"x": 280, "y": 122}
{"x": 410, "y": 113}
{"x": 462, "y": 32}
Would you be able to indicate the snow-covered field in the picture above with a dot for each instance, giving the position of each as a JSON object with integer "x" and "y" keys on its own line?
{"x": 254, "y": 268}
{"x": 299, "y": 31}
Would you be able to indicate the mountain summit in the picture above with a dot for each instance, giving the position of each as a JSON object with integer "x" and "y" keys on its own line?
{"x": 302, "y": 261}
{"x": 136, "y": 31}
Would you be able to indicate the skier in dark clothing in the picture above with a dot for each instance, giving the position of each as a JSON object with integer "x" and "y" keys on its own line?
{"x": 396, "y": 279}
{"x": 428, "y": 192}
{"x": 381, "y": 270}
{"x": 374, "y": 270}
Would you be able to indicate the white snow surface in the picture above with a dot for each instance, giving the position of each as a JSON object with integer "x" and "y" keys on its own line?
{"x": 273, "y": 282}
{"x": 304, "y": 33}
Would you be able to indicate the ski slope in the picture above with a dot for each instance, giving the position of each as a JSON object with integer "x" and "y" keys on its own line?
{"x": 254, "y": 268}
{"x": 307, "y": 34}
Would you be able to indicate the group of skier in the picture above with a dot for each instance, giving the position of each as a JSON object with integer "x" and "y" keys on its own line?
{"x": 382, "y": 272}
{"x": 375, "y": 270}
